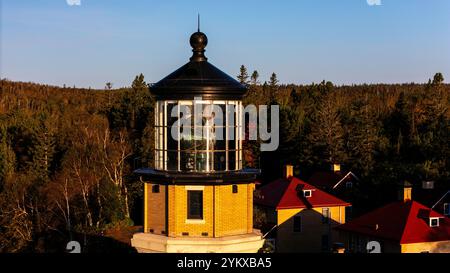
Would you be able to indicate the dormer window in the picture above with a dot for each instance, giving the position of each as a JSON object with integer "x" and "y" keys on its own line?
{"x": 307, "y": 193}
{"x": 434, "y": 221}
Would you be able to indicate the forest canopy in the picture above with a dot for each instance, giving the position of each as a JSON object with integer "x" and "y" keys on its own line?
{"x": 67, "y": 154}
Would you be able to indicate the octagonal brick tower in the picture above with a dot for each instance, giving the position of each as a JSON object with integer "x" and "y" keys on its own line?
{"x": 198, "y": 198}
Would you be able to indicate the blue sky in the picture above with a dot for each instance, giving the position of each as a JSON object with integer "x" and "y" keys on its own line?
{"x": 303, "y": 41}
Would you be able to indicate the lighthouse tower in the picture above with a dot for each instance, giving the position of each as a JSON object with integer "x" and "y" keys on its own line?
{"x": 198, "y": 198}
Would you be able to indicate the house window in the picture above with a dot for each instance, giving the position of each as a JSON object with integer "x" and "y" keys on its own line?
{"x": 297, "y": 224}
{"x": 325, "y": 215}
{"x": 307, "y": 193}
{"x": 155, "y": 189}
{"x": 434, "y": 222}
{"x": 447, "y": 209}
{"x": 348, "y": 184}
{"x": 235, "y": 189}
{"x": 195, "y": 204}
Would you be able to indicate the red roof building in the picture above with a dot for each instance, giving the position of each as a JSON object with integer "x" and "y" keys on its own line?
{"x": 403, "y": 226}
{"x": 299, "y": 216}
{"x": 287, "y": 193}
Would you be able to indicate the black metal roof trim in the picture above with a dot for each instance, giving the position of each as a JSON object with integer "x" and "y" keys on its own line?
{"x": 150, "y": 175}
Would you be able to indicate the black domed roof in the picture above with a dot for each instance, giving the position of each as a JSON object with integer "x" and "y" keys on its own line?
{"x": 198, "y": 78}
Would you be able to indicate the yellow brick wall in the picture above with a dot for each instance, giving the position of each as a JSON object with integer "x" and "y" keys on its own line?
{"x": 337, "y": 214}
{"x": 250, "y": 190}
{"x": 155, "y": 209}
{"x": 310, "y": 238}
{"x": 232, "y": 210}
{"x": 171, "y": 211}
{"x": 432, "y": 247}
{"x": 224, "y": 213}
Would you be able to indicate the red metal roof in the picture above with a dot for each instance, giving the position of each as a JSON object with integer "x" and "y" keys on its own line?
{"x": 287, "y": 193}
{"x": 404, "y": 222}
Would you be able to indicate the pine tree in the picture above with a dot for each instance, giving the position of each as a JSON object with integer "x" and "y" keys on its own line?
{"x": 43, "y": 148}
{"x": 273, "y": 81}
{"x": 438, "y": 79}
{"x": 327, "y": 134}
{"x": 399, "y": 124}
{"x": 139, "y": 84}
{"x": 243, "y": 75}
{"x": 273, "y": 87}
{"x": 7, "y": 158}
{"x": 254, "y": 78}
{"x": 363, "y": 137}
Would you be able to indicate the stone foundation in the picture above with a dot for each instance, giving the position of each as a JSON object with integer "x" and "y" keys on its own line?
{"x": 153, "y": 243}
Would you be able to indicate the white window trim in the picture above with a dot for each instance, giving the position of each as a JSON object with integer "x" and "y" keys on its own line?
{"x": 434, "y": 218}
{"x": 310, "y": 193}
{"x": 195, "y": 221}
{"x": 194, "y": 188}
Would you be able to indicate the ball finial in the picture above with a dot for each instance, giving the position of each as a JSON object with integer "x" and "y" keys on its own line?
{"x": 198, "y": 41}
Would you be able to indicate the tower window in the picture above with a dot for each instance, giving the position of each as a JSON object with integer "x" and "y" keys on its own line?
{"x": 155, "y": 189}
{"x": 235, "y": 189}
{"x": 195, "y": 205}
{"x": 297, "y": 224}
{"x": 307, "y": 193}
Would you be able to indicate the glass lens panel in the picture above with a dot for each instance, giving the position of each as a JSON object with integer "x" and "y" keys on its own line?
{"x": 172, "y": 161}
{"x": 218, "y": 143}
{"x": 187, "y": 162}
{"x": 200, "y": 162}
{"x": 231, "y": 144}
{"x": 232, "y": 160}
{"x": 187, "y": 142}
{"x": 171, "y": 119}
{"x": 200, "y": 145}
{"x": 219, "y": 161}
{"x": 219, "y": 118}
{"x": 186, "y": 112}
{"x": 231, "y": 115}
{"x": 172, "y": 143}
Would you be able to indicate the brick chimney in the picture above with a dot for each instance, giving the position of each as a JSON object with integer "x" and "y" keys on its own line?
{"x": 288, "y": 171}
